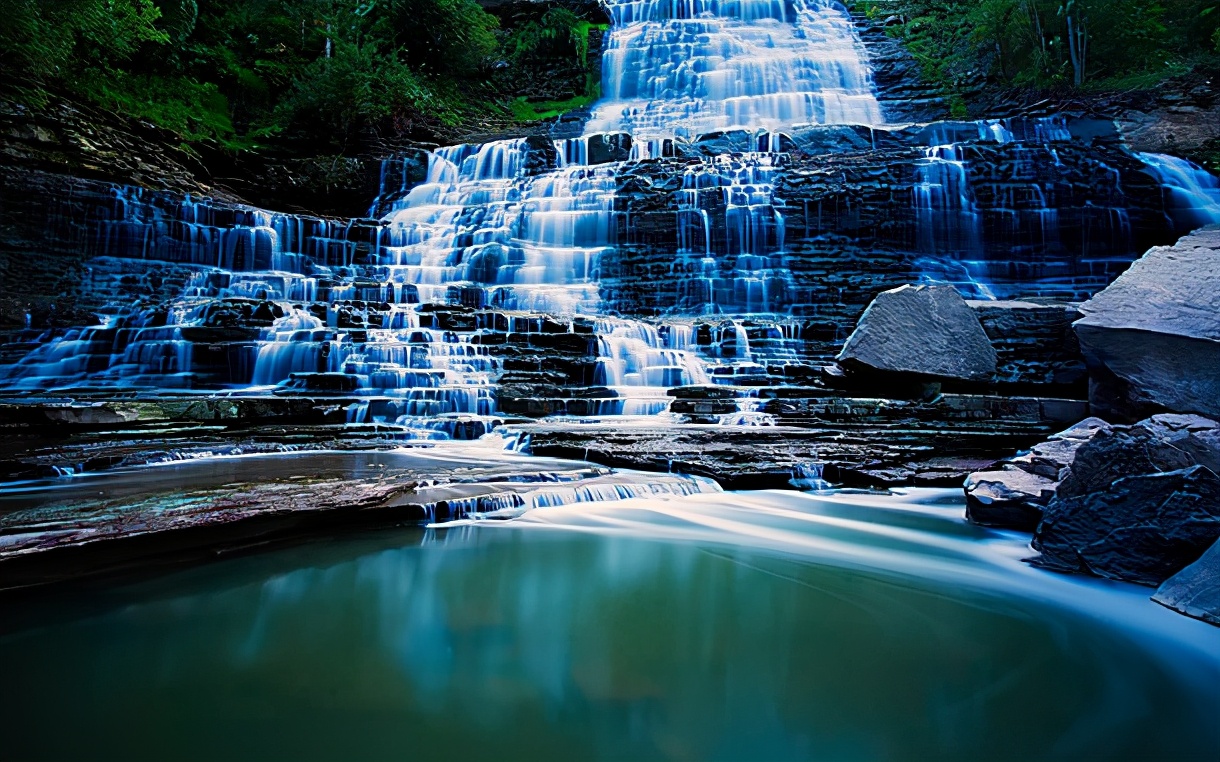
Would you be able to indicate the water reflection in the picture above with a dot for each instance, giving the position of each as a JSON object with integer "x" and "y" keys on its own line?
{"x": 833, "y": 628}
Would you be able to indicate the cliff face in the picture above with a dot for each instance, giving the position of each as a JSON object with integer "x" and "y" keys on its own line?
{"x": 1031, "y": 217}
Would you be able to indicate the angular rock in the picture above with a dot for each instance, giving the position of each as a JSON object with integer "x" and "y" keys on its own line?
{"x": 1015, "y": 496}
{"x": 1160, "y": 444}
{"x": 925, "y": 330}
{"x": 1195, "y": 591}
{"x": 1140, "y": 529}
{"x": 1152, "y": 338}
{"x": 1009, "y": 498}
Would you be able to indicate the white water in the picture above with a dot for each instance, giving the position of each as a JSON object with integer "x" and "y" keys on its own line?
{"x": 1193, "y": 192}
{"x": 690, "y": 67}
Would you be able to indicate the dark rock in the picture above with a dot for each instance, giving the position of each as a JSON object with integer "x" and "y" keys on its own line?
{"x": 926, "y": 330}
{"x": 1015, "y": 496}
{"x": 1152, "y": 339}
{"x": 608, "y": 147}
{"x": 322, "y": 382}
{"x": 1140, "y": 529}
{"x": 1035, "y": 344}
{"x": 1195, "y": 591}
{"x": 1009, "y": 498}
{"x": 399, "y": 174}
{"x": 1162, "y": 443}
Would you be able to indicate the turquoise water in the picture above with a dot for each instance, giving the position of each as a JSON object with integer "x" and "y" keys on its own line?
{"x": 738, "y": 626}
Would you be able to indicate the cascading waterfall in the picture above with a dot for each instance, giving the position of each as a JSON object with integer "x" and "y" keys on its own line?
{"x": 690, "y": 67}
{"x": 749, "y": 276}
{"x": 289, "y": 304}
{"x": 483, "y": 228}
{"x": 488, "y": 227}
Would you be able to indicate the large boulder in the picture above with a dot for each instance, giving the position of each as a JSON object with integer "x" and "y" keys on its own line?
{"x": 923, "y": 330}
{"x": 1195, "y": 591}
{"x": 1152, "y": 338}
{"x": 1015, "y": 495}
{"x": 1137, "y": 503}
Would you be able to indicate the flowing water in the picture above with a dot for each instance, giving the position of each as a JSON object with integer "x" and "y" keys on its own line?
{"x": 717, "y": 626}
{"x": 289, "y": 304}
{"x": 600, "y": 624}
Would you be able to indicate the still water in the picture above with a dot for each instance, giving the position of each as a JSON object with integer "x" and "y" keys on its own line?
{"x": 729, "y": 626}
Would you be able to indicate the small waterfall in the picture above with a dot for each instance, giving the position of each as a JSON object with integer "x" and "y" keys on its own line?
{"x": 640, "y": 366}
{"x": 808, "y": 477}
{"x": 745, "y": 272}
{"x": 1193, "y": 193}
{"x": 946, "y": 214}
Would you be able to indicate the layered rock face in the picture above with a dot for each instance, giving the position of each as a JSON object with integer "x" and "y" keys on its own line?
{"x": 1152, "y": 339}
{"x": 1016, "y": 209}
{"x": 455, "y": 307}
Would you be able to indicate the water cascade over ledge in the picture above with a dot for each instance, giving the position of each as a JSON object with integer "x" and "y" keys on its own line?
{"x": 734, "y": 203}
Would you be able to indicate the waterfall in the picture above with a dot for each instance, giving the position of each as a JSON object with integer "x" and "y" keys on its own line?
{"x": 689, "y": 67}
{"x": 503, "y": 232}
{"x": 1193, "y": 193}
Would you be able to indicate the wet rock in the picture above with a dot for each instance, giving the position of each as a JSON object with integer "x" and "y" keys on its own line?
{"x": 816, "y": 140}
{"x": 924, "y": 330}
{"x": 540, "y": 154}
{"x": 1159, "y": 444}
{"x": 399, "y": 174}
{"x": 1015, "y": 496}
{"x": 1136, "y": 503}
{"x": 608, "y": 147}
{"x": 1140, "y": 529}
{"x": 1195, "y": 591}
{"x": 1152, "y": 338}
{"x": 320, "y": 382}
{"x": 1009, "y": 498}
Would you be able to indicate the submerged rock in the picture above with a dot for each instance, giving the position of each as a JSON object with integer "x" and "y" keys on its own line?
{"x": 1195, "y": 591}
{"x": 1152, "y": 339}
{"x": 925, "y": 330}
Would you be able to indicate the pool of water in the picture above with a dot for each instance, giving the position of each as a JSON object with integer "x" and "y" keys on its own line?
{"x": 731, "y": 626}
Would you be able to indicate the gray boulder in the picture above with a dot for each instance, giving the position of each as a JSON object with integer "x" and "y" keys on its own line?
{"x": 1152, "y": 338}
{"x": 1137, "y": 503}
{"x": 924, "y": 330}
{"x": 1195, "y": 591}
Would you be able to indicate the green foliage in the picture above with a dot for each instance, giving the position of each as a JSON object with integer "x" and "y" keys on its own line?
{"x": 559, "y": 32}
{"x": 237, "y": 72}
{"x": 526, "y": 111}
{"x": 46, "y": 38}
{"x": 1088, "y": 44}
